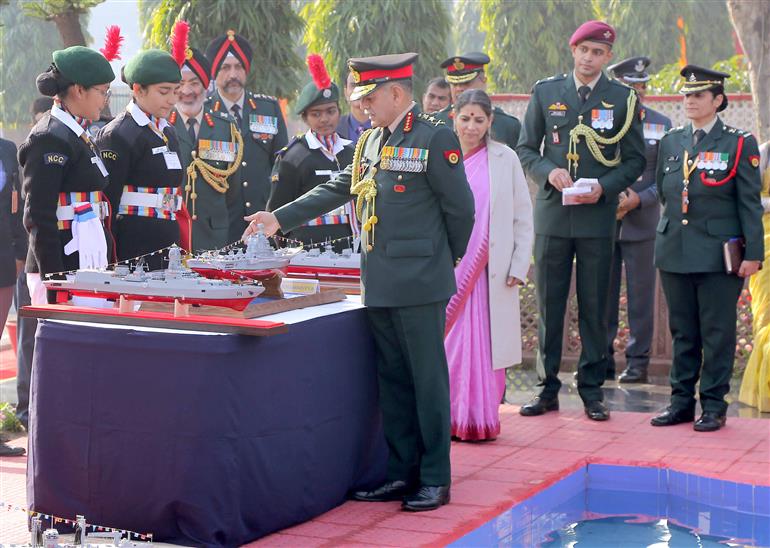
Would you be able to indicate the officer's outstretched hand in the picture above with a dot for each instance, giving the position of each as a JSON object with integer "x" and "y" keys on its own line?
{"x": 268, "y": 221}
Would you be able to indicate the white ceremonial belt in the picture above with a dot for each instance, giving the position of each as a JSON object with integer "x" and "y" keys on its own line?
{"x": 67, "y": 213}
{"x": 170, "y": 202}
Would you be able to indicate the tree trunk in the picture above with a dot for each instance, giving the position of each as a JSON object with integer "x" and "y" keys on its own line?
{"x": 69, "y": 27}
{"x": 751, "y": 19}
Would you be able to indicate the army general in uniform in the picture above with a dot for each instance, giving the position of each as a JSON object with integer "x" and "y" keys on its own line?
{"x": 709, "y": 184}
{"x": 259, "y": 119}
{"x": 209, "y": 144}
{"x": 417, "y": 213}
{"x": 589, "y": 128}
{"x": 467, "y": 71}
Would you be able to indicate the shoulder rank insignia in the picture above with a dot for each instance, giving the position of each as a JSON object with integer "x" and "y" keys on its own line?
{"x": 172, "y": 118}
{"x": 754, "y": 160}
{"x": 54, "y": 158}
{"x": 452, "y": 157}
{"x": 252, "y": 103}
{"x": 293, "y": 141}
{"x": 217, "y": 104}
{"x": 209, "y": 119}
{"x": 408, "y": 122}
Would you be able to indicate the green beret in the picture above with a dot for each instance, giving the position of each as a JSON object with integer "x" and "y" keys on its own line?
{"x": 151, "y": 66}
{"x": 311, "y": 96}
{"x": 83, "y": 66}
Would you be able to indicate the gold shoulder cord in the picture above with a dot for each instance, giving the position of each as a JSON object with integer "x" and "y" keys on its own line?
{"x": 366, "y": 190}
{"x": 593, "y": 139}
{"x": 215, "y": 177}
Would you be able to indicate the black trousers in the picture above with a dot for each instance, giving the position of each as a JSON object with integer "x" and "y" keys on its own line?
{"x": 702, "y": 316}
{"x": 414, "y": 390}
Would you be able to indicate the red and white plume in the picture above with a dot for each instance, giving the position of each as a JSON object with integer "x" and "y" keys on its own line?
{"x": 112, "y": 43}
{"x": 179, "y": 42}
{"x": 315, "y": 63}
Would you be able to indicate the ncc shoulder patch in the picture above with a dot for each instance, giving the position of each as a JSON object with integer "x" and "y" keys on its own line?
{"x": 452, "y": 157}
{"x": 55, "y": 158}
{"x": 110, "y": 155}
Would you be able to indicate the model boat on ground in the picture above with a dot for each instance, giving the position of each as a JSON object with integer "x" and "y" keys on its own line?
{"x": 259, "y": 261}
{"x": 177, "y": 283}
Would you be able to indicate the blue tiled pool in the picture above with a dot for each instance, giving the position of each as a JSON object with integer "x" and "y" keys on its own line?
{"x": 626, "y": 506}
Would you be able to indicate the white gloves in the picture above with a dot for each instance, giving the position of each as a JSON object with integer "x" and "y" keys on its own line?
{"x": 88, "y": 238}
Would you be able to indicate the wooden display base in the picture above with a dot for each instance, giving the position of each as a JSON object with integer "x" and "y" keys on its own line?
{"x": 260, "y": 307}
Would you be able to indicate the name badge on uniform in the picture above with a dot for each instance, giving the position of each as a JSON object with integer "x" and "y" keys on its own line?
{"x": 713, "y": 160}
{"x": 158, "y": 150}
{"x": 259, "y": 123}
{"x": 601, "y": 118}
{"x": 220, "y": 151}
{"x": 412, "y": 160}
{"x": 654, "y": 132}
{"x": 98, "y": 161}
{"x": 325, "y": 172}
{"x": 172, "y": 160}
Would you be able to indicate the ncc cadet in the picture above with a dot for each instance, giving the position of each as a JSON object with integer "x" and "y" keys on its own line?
{"x": 314, "y": 158}
{"x": 216, "y": 142}
{"x": 610, "y": 149}
{"x": 638, "y": 214}
{"x": 63, "y": 173}
{"x": 141, "y": 151}
{"x": 467, "y": 72}
{"x": 709, "y": 184}
{"x": 417, "y": 208}
{"x": 259, "y": 119}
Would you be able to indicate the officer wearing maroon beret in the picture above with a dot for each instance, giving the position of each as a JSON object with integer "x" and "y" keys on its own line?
{"x": 581, "y": 130}
{"x": 259, "y": 119}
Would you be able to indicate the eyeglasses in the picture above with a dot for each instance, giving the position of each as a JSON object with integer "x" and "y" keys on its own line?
{"x": 104, "y": 92}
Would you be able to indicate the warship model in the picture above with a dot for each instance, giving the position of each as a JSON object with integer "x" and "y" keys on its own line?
{"x": 176, "y": 283}
{"x": 259, "y": 261}
{"x": 328, "y": 262}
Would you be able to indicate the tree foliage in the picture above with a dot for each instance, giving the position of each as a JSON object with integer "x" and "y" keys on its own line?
{"x": 66, "y": 14}
{"x": 20, "y": 63}
{"x": 466, "y": 33}
{"x": 340, "y": 29}
{"x": 272, "y": 28}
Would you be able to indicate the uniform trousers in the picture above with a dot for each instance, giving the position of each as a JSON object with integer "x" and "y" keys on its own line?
{"x": 554, "y": 257}
{"x": 702, "y": 317}
{"x": 25, "y": 337}
{"x": 414, "y": 390}
{"x": 638, "y": 258}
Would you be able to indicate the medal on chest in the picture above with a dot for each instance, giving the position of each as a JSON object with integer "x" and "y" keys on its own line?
{"x": 654, "y": 132}
{"x": 260, "y": 123}
{"x": 221, "y": 151}
{"x": 601, "y": 118}
{"x": 713, "y": 160}
{"x": 412, "y": 160}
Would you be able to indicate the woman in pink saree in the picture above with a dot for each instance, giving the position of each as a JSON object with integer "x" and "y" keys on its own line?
{"x": 483, "y": 333}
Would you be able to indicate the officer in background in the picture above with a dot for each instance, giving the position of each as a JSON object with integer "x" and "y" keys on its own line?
{"x": 214, "y": 138}
{"x": 417, "y": 213}
{"x": 354, "y": 123}
{"x": 259, "y": 119}
{"x": 314, "y": 158}
{"x": 610, "y": 150}
{"x": 709, "y": 184}
{"x": 437, "y": 96}
{"x": 638, "y": 214}
{"x": 467, "y": 72}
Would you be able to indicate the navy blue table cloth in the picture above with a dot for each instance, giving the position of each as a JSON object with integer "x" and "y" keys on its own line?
{"x": 205, "y": 440}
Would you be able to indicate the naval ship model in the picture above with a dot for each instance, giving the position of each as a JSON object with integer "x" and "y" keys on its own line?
{"x": 176, "y": 283}
{"x": 259, "y": 261}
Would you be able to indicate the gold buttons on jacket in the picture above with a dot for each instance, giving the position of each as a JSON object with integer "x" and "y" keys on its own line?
{"x": 685, "y": 222}
{"x": 248, "y": 204}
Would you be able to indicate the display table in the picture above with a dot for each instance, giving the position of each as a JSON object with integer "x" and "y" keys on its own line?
{"x": 204, "y": 439}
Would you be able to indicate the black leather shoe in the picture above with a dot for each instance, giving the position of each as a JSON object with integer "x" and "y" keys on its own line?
{"x": 426, "y": 498}
{"x": 633, "y": 375}
{"x": 390, "y": 490}
{"x": 539, "y": 406}
{"x": 671, "y": 416}
{"x": 709, "y": 421}
{"x": 7, "y": 451}
{"x": 597, "y": 411}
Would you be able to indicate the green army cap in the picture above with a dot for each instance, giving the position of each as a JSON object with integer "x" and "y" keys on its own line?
{"x": 151, "y": 66}
{"x": 321, "y": 90}
{"x": 84, "y": 66}
{"x": 369, "y": 72}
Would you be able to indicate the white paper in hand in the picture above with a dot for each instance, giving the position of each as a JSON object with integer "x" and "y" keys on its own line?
{"x": 581, "y": 186}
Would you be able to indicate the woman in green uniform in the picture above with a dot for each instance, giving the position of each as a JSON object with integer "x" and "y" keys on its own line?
{"x": 63, "y": 173}
{"x": 709, "y": 184}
